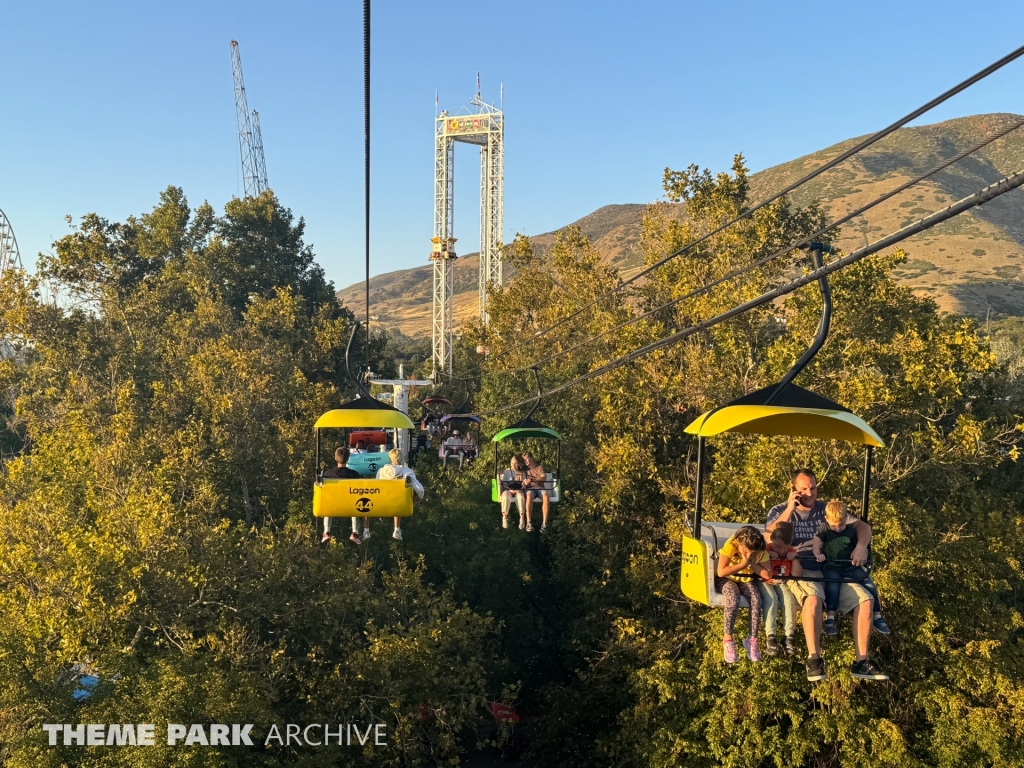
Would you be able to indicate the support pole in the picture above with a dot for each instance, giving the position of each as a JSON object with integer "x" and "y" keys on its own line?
{"x": 400, "y": 399}
{"x": 698, "y": 500}
{"x": 866, "y": 495}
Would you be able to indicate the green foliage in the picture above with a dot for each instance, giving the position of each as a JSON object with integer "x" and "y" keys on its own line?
{"x": 643, "y": 681}
{"x": 156, "y": 521}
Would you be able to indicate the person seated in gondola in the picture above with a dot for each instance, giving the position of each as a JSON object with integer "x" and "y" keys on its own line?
{"x": 741, "y": 560}
{"x": 421, "y": 444}
{"x": 806, "y": 513}
{"x": 833, "y": 545}
{"x": 340, "y": 472}
{"x": 536, "y": 487}
{"x": 395, "y": 471}
{"x": 360, "y": 447}
{"x": 469, "y": 446}
{"x": 511, "y": 486}
{"x": 453, "y": 445}
{"x": 782, "y": 563}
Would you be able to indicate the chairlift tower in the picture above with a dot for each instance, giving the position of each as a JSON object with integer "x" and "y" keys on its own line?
{"x": 484, "y": 127}
{"x": 10, "y": 257}
{"x": 250, "y": 139}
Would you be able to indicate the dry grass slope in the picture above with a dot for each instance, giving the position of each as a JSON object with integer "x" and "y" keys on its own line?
{"x": 971, "y": 265}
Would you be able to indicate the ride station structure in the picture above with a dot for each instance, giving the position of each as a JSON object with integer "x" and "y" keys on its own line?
{"x": 484, "y": 128}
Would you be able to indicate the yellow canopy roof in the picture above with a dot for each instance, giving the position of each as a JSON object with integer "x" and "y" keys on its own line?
{"x": 822, "y": 423}
{"x": 364, "y": 412}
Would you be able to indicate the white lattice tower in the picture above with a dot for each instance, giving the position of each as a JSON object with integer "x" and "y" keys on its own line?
{"x": 486, "y": 129}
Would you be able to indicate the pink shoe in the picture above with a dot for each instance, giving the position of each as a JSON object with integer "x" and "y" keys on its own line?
{"x": 729, "y": 651}
{"x": 753, "y": 648}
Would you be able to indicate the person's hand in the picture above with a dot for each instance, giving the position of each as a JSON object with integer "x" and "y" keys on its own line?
{"x": 860, "y": 555}
{"x": 820, "y": 558}
{"x": 772, "y": 581}
{"x": 793, "y": 501}
{"x": 791, "y": 555}
{"x": 748, "y": 559}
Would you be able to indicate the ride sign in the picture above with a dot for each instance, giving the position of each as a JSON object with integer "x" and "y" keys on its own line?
{"x": 364, "y": 505}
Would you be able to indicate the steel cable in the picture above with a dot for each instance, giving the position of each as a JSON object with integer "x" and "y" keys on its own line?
{"x": 982, "y": 74}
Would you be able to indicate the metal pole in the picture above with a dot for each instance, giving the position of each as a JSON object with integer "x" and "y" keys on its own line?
{"x": 699, "y": 495}
{"x": 865, "y": 496}
{"x": 823, "y": 325}
{"x": 366, "y": 130}
{"x": 316, "y": 454}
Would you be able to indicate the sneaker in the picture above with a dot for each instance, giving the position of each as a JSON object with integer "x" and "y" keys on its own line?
{"x": 815, "y": 669}
{"x": 866, "y": 670}
{"x": 522, "y": 523}
{"x": 397, "y": 534}
{"x": 366, "y": 533}
{"x": 325, "y": 538}
{"x": 830, "y": 627}
{"x": 504, "y": 522}
{"x": 772, "y": 647}
{"x": 354, "y": 538}
{"x": 753, "y": 648}
{"x": 880, "y": 625}
{"x": 729, "y": 651}
{"x": 791, "y": 648}
{"x": 544, "y": 528}
{"x": 529, "y": 526}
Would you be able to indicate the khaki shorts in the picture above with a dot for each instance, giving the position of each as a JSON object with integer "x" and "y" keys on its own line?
{"x": 850, "y": 595}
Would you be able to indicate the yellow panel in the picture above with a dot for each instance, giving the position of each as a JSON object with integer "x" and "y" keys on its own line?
{"x": 693, "y": 576}
{"x": 777, "y": 420}
{"x": 362, "y": 498}
{"x": 370, "y": 417}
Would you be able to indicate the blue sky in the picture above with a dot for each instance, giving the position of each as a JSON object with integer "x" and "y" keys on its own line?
{"x": 106, "y": 104}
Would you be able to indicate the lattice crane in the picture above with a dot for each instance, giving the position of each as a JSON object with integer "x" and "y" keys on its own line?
{"x": 250, "y": 139}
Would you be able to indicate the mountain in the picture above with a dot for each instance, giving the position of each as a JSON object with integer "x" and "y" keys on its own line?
{"x": 970, "y": 265}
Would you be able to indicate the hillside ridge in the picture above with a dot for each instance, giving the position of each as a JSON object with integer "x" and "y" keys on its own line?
{"x": 970, "y": 265}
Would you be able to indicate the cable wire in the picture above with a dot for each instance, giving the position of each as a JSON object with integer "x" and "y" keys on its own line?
{"x": 990, "y": 192}
{"x": 800, "y": 182}
{"x": 761, "y": 262}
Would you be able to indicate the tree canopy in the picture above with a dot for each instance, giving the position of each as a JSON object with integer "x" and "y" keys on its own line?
{"x": 154, "y": 505}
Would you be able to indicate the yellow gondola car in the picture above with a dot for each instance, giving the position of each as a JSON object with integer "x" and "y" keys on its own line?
{"x": 365, "y": 496}
{"x": 780, "y": 409}
{"x": 794, "y": 412}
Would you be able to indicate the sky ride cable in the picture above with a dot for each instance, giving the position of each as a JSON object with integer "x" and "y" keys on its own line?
{"x": 981, "y": 75}
{"x": 366, "y": 154}
{"x": 761, "y": 262}
{"x": 981, "y": 197}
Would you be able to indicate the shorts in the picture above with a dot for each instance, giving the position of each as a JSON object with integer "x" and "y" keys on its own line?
{"x": 850, "y": 595}
{"x": 535, "y": 494}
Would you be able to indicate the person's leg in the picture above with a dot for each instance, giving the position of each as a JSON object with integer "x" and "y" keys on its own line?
{"x": 831, "y": 599}
{"x": 789, "y": 608}
{"x": 545, "y": 505}
{"x": 397, "y": 533}
{"x": 462, "y": 458}
{"x": 506, "y": 502}
{"x": 731, "y": 593}
{"x": 853, "y": 597}
{"x": 529, "y": 510}
{"x": 366, "y": 528}
{"x": 769, "y": 606}
{"x": 749, "y": 591}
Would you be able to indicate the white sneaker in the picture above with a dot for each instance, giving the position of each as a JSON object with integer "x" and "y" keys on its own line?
{"x": 529, "y": 526}
{"x": 397, "y": 534}
{"x": 504, "y": 522}
{"x": 522, "y": 523}
{"x": 366, "y": 533}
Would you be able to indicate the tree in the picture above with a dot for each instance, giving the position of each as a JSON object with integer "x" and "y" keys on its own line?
{"x": 156, "y": 520}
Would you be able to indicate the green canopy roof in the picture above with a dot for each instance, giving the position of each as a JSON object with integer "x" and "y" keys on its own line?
{"x": 525, "y": 429}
